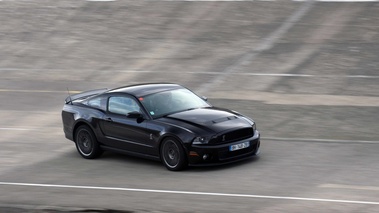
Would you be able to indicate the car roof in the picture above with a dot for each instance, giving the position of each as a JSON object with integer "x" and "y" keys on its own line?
{"x": 140, "y": 90}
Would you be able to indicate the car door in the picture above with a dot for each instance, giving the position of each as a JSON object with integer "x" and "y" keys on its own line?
{"x": 123, "y": 132}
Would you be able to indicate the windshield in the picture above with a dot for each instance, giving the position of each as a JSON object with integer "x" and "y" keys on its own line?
{"x": 168, "y": 102}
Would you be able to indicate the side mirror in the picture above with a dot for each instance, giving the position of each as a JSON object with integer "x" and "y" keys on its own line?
{"x": 134, "y": 114}
{"x": 137, "y": 115}
{"x": 204, "y": 98}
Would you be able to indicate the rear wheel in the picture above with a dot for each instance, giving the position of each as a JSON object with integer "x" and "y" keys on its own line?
{"x": 173, "y": 155}
{"x": 86, "y": 143}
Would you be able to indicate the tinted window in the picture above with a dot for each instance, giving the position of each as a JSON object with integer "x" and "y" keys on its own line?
{"x": 98, "y": 102}
{"x": 123, "y": 105}
{"x": 172, "y": 101}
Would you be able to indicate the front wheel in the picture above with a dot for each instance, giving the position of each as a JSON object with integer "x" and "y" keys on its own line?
{"x": 86, "y": 143}
{"x": 172, "y": 155}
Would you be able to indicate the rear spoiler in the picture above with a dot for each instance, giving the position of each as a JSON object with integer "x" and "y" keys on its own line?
{"x": 84, "y": 94}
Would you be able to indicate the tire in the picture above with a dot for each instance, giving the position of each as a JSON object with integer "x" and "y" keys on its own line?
{"x": 173, "y": 155}
{"x": 86, "y": 143}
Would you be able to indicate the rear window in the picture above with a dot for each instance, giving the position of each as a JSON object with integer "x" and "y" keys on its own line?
{"x": 98, "y": 103}
{"x": 123, "y": 105}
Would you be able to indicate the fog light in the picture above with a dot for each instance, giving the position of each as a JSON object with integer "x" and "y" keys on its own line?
{"x": 205, "y": 156}
{"x": 192, "y": 153}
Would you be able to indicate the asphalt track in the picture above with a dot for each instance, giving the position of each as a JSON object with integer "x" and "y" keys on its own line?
{"x": 306, "y": 71}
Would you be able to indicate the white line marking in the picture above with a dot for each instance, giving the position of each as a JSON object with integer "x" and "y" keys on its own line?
{"x": 215, "y": 0}
{"x": 38, "y": 91}
{"x": 319, "y": 140}
{"x": 202, "y": 73}
{"x": 268, "y": 0}
{"x": 362, "y": 76}
{"x": 277, "y": 74}
{"x": 100, "y": 0}
{"x": 191, "y": 193}
{"x": 339, "y": 0}
{"x": 307, "y": 75}
{"x": 14, "y": 129}
{"x": 255, "y": 74}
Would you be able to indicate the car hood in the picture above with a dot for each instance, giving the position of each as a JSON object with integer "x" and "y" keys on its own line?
{"x": 215, "y": 119}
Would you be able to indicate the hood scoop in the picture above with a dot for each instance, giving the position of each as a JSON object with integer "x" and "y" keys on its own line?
{"x": 207, "y": 117}
{"x": 219, "y": 120}
{"x": 214, "y": 119}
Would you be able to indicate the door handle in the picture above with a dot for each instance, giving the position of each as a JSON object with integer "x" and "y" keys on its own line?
{"x": 109, "y": 119}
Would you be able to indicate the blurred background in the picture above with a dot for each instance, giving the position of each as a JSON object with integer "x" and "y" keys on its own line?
{"x": 305, "y": 71}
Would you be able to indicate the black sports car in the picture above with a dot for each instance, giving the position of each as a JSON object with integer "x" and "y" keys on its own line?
{"x": 165, "y": 122}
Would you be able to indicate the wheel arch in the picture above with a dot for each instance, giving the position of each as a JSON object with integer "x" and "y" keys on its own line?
{"x": 180, "y": 133}
{"x": 181, "y": 162}
{"x": 168, "y": 135}
{"x": 78, "y": 124}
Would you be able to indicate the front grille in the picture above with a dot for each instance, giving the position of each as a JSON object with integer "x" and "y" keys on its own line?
{"x": 236, "y": 135}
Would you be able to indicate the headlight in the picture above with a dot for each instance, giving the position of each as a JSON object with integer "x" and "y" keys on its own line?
{"x": 254, "y": 127}
{"x": 200, "y": 140}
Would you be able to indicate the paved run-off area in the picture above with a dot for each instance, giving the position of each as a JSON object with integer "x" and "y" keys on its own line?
{"x": 307, "y": 72}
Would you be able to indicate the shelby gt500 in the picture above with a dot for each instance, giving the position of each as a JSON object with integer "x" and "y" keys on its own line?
{"x": 161, "y": 121}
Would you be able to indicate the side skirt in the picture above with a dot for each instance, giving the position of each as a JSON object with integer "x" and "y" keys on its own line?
{"x": 121, "y": 151}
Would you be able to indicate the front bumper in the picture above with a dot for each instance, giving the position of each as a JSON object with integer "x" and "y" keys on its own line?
{"x": 204, "y": 155}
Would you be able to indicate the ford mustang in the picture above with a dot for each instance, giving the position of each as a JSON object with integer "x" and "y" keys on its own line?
{"x": 161, "y": 121}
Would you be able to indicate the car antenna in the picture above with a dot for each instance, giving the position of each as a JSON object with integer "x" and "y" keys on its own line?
{"x": 69, "y": 95}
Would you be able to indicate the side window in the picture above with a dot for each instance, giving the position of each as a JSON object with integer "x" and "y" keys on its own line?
{"x": 122, "y": 105}
{"x": 98, "y": 102}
